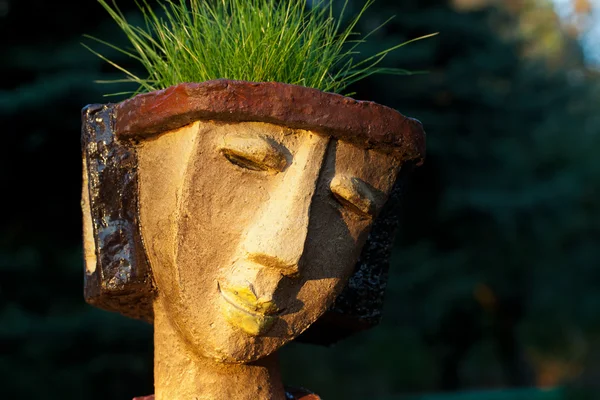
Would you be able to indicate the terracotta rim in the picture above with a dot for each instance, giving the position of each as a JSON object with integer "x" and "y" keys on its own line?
{"x": 362, "y": 122}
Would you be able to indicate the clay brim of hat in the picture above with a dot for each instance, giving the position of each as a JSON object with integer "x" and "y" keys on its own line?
{"x": 365, "y": 123}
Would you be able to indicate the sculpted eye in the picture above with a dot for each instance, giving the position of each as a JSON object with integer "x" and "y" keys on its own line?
{"x": 253, "y": 153}
{"x": 354, "y": 194}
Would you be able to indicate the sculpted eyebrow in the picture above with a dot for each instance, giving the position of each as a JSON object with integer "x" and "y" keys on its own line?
{"x": 254, "y": 152}
{"x": 355, "y": 194}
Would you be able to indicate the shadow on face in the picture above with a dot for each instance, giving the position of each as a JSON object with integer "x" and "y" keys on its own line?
{"x": 252, "y": 229}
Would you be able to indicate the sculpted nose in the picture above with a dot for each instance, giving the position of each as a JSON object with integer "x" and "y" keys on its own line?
{"x": 276, "y": 238}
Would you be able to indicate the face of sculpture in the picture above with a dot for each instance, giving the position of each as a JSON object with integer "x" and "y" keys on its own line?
{"x": 252, "y": 229}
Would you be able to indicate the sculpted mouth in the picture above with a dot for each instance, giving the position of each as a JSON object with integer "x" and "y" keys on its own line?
{"x": 246, "y": 300}
{"x": 242, "y": 309}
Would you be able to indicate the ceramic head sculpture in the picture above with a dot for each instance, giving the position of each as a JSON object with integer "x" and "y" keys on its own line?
{"x": 237, "y": 217}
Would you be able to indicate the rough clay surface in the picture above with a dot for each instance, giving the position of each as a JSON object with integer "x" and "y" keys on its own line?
{"x": 253, "y": 203}
{"x": 359, "y": 305}
{"x": 120, "y": 281}
{"x": 147, "y": 115}
{"x": 362, "y": 122}
{"x": 290, "y": 394}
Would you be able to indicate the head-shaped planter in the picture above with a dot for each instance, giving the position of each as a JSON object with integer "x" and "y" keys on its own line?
{"x": 234, "y": 216}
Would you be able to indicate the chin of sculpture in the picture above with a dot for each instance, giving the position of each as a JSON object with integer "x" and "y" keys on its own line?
{"x": 237, "y": 217}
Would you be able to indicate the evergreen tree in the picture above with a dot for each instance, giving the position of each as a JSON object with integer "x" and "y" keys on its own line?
{"x": 495, "y": 270}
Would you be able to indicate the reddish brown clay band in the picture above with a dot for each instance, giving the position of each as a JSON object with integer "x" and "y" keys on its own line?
{"x": 365, "y": 123}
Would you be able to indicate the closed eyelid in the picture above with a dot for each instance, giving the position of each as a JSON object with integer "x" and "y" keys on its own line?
{"x": 254, "y": 152}
{"x": 354, "y": 192}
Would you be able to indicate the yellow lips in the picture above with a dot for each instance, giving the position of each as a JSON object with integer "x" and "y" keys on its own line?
{"x": 243, "y": 309}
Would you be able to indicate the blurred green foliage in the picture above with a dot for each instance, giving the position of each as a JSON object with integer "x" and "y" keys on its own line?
{"x": 494, "y": 279}
{"x": 509, "y": 394}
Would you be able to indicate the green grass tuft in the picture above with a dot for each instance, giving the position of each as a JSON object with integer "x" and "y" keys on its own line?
{"x": 250, "y": 40}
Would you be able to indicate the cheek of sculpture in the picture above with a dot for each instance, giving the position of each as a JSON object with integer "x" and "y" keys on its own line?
{"x": 252, "y": 230}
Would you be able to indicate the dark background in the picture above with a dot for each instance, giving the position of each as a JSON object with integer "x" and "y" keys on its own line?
{"x": 495, "y": 276}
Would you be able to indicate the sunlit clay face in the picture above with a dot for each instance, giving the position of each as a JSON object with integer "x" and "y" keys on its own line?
{"x": 252, "y": 229}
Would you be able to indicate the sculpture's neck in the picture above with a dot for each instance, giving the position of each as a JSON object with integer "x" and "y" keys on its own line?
{"x": 179, "y": 375}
